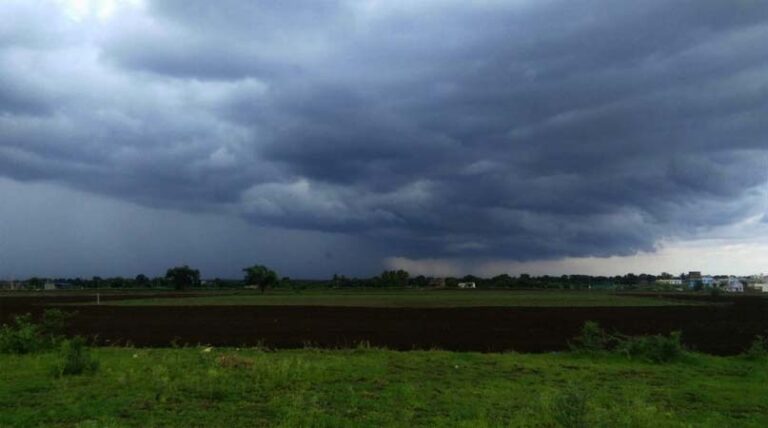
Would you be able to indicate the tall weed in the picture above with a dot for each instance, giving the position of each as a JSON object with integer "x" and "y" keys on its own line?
{"x": 591, "y": 339}
{"x": 24, "y": 336}
{"x": 21, "y": 337}
{"x": 758, "y": 350}
{"x": 75, "y": 358}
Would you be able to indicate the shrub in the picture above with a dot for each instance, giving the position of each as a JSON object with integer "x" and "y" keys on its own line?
{"x": 657, "y": 348}
{"x": 591, "y": 339}
{"x": 758, "y": 350}
{"x": 75, "y": 358}
{"x": 21, "y": 337}
{"x": 54, "y": 324}
{"x": 569, "y": 408}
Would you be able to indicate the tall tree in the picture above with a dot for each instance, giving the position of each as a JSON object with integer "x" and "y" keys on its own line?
{"x": 182, "y": 277}
{"x": 141, "y": 280}
{"x": 394, "y": 278}
{"x": 261, "y": 276}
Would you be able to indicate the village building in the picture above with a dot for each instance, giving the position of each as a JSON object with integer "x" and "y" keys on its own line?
{"x": 437, "y": 282}
{"x": 757, "y": 283}
{"x": 734, "y": 285}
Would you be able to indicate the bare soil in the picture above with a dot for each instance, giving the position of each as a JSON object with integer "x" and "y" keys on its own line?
{"x": 724, "y": 328}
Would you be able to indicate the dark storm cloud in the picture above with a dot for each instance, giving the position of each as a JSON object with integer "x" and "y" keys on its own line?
{"x": 522, "y": 130}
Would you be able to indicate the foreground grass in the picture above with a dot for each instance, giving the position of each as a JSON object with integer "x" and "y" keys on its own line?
{"x": 414, "y": 299}
{"x": 370, "y": 387}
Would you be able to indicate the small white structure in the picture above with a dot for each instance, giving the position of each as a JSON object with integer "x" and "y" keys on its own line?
{"x": 49, "y": 286}
{"x": 734, "y": 285}
{"x": 758, "y": 283}
{"x": 670, "y": 281}
{"x": 467, "y": 285}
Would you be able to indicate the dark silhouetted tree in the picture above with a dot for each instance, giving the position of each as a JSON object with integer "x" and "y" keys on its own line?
{"x": 260, "y": 275}
{"x": 141, "y": 280}
{"x": 395, "y": 278}
{"x": 182, "y": 277}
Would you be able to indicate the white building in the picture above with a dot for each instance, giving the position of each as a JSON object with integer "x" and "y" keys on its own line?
{"x": 670, "y": 281}
{"x": 708, "y": 281}
{"x": 734, "y": 285}
{"x": 758, "y": 283}
{"x": 467, "y": 285}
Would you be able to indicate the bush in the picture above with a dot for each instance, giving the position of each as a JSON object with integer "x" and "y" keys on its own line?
{"x": 591, "y": 339}
{"x": 21, "y": 337}
{"x": 75, "y": 358}
{"x": 569, "y": 408}
{"x": 657, "y": 348}
{"x": 54, "y": 324}
{"x": 758, "y": 350}
{"x": 24, "y": 336}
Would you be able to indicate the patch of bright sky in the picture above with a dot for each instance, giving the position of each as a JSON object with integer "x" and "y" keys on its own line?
{"x": 738, "y": 249}
{"x": 713, "y": 257}
{"x": 101, "y": 10}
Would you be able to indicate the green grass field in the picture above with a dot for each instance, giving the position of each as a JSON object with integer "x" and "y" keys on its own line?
{"x": 412, "y": 298}
{"x": 370, "y": 387}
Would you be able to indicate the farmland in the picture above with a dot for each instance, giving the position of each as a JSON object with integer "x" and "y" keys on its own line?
{"x": 334, "y": 358}
{"x": 375, "y": 387}
{"x": 412, "y": 299}
{"x": 461, "y": 320}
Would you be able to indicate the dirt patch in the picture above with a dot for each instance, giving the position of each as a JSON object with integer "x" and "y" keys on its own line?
{"x": 718, "y": 329}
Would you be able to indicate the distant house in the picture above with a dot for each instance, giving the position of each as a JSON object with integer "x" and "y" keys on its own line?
{"x": 669, "y": 281}
{"x": 58, "y": 286}
{"x": 758, "y": 283}
{"x": 734, "y": 285}
{"x": 694, "y": 279}
{"x": 467, "y": 285}
{"x": 437, "y": 282}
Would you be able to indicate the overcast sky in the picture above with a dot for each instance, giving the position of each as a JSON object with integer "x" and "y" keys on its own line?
{"x": 445, "y": 137}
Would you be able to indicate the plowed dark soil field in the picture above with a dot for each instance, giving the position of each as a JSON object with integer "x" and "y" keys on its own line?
{"x": 725, "y": 327}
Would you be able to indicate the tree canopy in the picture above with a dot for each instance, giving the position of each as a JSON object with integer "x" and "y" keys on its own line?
{"x": 261, "y": 276}
{"x": 183, "y": 277}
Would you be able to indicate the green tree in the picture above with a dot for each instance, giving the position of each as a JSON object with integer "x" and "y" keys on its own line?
{"x": 260, "y": 275}
{"x": 141, "y": 280}
{"x": 395, "y": 278}
{"x": 35, "y": 282}
{"x": 503, "y": 280}
{"x": 421, "y": 281}
{"x": 183, "y": 277}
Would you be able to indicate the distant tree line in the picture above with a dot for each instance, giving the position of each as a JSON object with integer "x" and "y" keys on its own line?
{"x": 261, "y": 277}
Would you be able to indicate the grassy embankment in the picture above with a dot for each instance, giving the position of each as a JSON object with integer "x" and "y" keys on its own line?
{"x": 414, "y": 299}
{"x": 371, "y": 387}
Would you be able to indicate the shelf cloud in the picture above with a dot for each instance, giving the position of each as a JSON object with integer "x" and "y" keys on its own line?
{"x": 515, "y": 130}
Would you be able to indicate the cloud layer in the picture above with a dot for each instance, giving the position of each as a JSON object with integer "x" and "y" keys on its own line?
{"x": 520, "y": 130}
